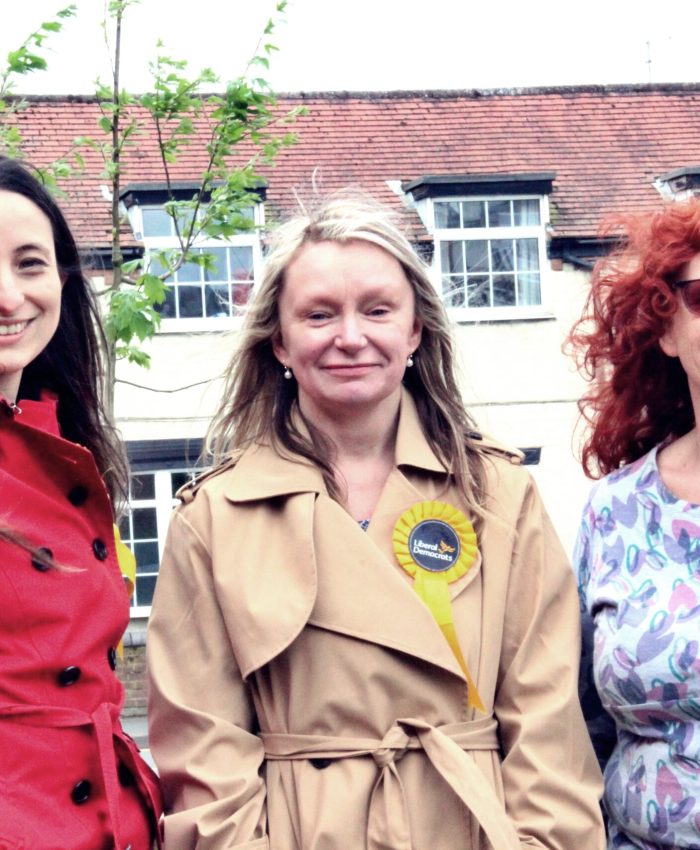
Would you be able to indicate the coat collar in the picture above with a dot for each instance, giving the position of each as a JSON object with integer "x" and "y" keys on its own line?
{"x": 42, "y": 414}
{"x": 289, "y": 580}
{"x": 262, "y": 473}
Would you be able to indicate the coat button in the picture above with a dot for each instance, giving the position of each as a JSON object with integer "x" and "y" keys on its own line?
{"x": 78, "y": 495}
{"x": 126, "y": 777}
{"x": 100, "y": 550}
{"x": 81, "y": 792}
{"x": 112, "y": 657}
{"x": 320, "y": 764}
{"x": 40, "y": 565}
{"x": 69, "y": 676}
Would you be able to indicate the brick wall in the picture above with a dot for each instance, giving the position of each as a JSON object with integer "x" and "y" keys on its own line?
{"x": 132, "y": 671}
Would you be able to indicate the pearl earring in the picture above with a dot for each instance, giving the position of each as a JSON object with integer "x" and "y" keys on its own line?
{"x": 409, "y": 361}
{"x": 287, "y": 373}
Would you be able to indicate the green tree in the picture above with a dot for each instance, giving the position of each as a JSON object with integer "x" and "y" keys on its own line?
{"x": 26, "y": 59}
{"x": 176, "y": 111}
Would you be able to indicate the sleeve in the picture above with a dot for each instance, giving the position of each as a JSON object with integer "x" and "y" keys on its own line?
{"x": 552, "y": 784}
{"x": 601, "y": 726}
{"x": 201, "y": 715}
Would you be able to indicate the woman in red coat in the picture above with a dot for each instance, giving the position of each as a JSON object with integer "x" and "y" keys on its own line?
{"x": 70, "y": 778}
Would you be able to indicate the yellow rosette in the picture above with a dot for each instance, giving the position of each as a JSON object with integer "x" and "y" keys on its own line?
{"x": 436, "y": 544}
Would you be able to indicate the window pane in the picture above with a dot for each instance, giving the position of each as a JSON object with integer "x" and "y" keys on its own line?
{"x": 189, "y": 299}
{"x": 452, "y": 256}
{"x": 217, "y": 300}
{"x": 453, "y": 291}
{"x": 179, "y": 479}
{"x": 241, "y": 263}
{"x": 154, "y": 265}
{"x": 220, "y": 270}
{"x": 473, "y": 214}
{"x": 189, "y": 273}
{"x": 146, "y": 557}
{"x": 504, "y": 290}
{"x": 447, "y": 214}
{"x": 526, "y": 212}
{"x": 528, "y": 258}
{"x": 478, "y": 294}
{"x": 477, "y": 255}
{"x": 145, "y": 586}
{"x": 125, "y": 529}
{"x": 167, "y": 308}
{"x": 499, "y": 214}
{"x": 241, "y": 293}
{"x": 502, "y": 259}
{"x": 529, "y": 289}
{"x": 142, "y": 486}
{"x": 144, "y": 522}
{"x": 184, "y": 221}
{"x": 156, "y": 222}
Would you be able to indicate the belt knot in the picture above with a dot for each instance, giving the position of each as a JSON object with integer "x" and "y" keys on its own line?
{"x": 394, "y": 744}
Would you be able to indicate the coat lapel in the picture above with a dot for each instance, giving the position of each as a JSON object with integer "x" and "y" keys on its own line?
{"x": 267, "y": 577}
{"x": 316, "y": 564}
{"x": 362, "y": 594}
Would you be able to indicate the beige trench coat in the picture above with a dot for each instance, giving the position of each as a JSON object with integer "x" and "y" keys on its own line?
{"x": 303, "y": 697}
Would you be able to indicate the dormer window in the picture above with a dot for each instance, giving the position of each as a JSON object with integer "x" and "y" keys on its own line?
{"x": 679, "y": 184}
{"x": 490, "y": 242}
{"x": 489, "y": 252}
{"x": 200, "y": 295}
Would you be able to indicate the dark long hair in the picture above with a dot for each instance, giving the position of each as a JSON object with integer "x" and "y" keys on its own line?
{"x": 71, "y": 364}
{"x": 638, "y": 396}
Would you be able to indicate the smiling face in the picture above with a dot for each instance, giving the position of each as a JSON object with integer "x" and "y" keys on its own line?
{"x": 30, "y": 287}
{"x": 347, "y": 327}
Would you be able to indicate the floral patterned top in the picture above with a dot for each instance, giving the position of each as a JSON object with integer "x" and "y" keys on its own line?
{"x": 638, "y": 557}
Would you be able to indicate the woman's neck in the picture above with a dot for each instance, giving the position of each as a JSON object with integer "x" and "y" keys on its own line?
{"x": 679, "y": 466}
{"x": 357, "y": 434}
{"x": 363, "y": 451}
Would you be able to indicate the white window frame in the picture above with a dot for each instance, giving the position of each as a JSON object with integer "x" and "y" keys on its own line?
{"x": 164, "y": 502}
{"x": 155, "y": 244}
{"x": 494, "y": 314}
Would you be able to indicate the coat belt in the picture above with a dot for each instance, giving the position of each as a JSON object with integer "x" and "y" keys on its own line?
{"x": 445, "y": 747}
{"x": 105, "y": 721}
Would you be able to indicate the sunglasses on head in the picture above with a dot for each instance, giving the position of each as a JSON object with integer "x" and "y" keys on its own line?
{"x": 690, "y": 293}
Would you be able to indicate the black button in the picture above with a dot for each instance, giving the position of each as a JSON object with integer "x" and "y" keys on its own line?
{"x": 78, "y": 495}
{"x": 69, "y": 676}
{"x": 40, "y": 565}
{"x": 81, "y": 792}
{"x": 126, "y": 777}
{"x": 100, "y": 550}
{"x": 112, "y": 657}
{"x": 320, "y": 764}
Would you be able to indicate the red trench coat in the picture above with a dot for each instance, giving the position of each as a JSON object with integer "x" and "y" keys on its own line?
{"x": 70, "y": 778}
{"x": 304, "y": 698}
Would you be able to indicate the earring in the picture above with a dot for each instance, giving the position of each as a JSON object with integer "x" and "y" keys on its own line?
{"x": 409, "y": 361}
{"x": 287, "y": 373}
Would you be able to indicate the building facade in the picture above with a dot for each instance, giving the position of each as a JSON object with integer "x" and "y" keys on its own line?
{"x": 503, "y": 192}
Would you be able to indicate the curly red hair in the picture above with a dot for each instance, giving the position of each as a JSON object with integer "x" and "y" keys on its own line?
{"x": 638, "y": 396}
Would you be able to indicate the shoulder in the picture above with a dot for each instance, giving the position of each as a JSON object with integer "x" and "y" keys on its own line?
{"x": 505, "y": 475}
{"x": 208, "y": 480}
{"x": 637, "y": 476}
{"x": 485, "y": 444}
{"x": 511, "y": 493}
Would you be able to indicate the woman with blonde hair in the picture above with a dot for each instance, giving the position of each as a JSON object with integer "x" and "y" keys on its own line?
{"x": 376, "y": 629}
